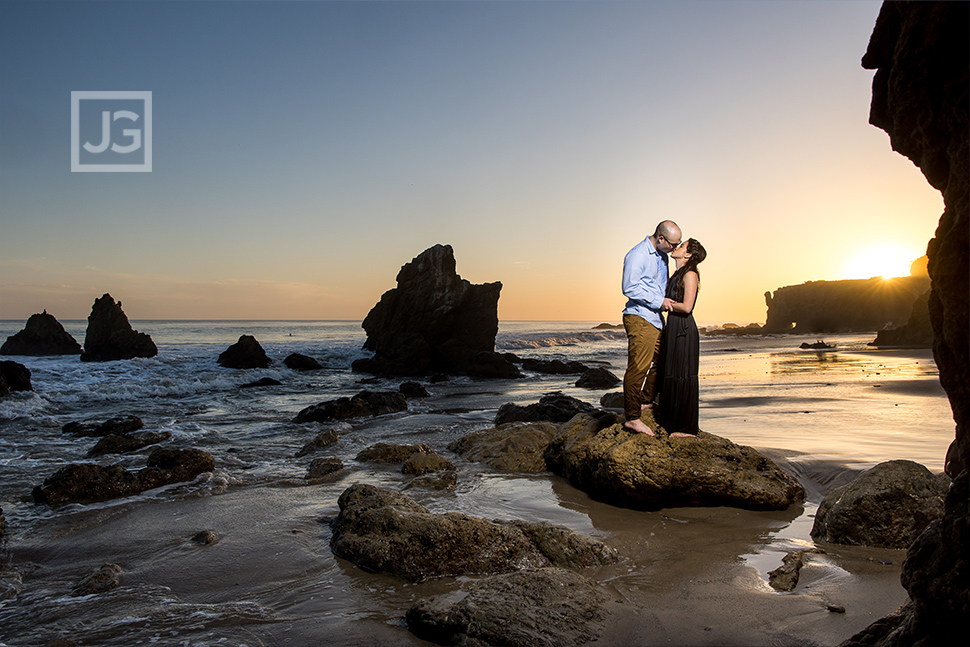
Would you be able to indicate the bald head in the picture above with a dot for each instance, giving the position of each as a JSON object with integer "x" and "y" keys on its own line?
{"x": 666, "y": 237}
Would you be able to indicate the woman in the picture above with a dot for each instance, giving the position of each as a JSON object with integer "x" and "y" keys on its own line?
{"x": 680, "y": 347}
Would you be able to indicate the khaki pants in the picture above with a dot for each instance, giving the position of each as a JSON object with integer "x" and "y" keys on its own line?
{"x": 640, "y": 379}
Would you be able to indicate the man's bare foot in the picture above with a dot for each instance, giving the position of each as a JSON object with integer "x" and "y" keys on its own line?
{"x": 678, "y": 434}
{"x": 638, "y": 427}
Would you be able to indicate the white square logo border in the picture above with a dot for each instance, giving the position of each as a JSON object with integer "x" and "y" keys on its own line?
{"x": 79, "y": 95}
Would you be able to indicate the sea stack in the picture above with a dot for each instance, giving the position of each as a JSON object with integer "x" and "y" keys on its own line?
{"x": 42, "y": 335}
{"x": 435, "y": 322}
{"x": 110, "y": 337}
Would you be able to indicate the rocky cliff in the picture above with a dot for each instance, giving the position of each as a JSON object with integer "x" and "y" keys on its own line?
{"x": 843, "y": 306}
{"x": 921, "y": 54}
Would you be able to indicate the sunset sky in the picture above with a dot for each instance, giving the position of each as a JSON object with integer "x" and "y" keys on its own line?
{"x": 304, "y": 151}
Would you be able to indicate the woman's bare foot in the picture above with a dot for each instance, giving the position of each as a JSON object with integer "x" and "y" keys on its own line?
{"x": 637, "y": 426}
{"x": 678, "y": 434}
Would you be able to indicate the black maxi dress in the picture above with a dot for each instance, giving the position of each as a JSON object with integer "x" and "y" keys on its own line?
{"x": 678, "y": 388}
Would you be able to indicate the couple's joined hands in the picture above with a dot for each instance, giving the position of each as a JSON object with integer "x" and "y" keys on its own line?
{"x": 668, "y": 305}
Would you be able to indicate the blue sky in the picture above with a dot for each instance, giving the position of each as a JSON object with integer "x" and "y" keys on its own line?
{"x": 304, "y": 151}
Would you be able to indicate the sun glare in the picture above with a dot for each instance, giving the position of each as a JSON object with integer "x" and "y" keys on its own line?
{"x": 886, "y": 261}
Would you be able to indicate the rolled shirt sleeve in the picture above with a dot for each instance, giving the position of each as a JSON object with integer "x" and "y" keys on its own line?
{"x": 645, "y": 282}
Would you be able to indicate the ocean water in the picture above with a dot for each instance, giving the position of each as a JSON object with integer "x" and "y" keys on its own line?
{"x": 271, "y": 579}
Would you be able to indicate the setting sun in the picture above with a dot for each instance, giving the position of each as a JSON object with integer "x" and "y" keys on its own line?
{"x": 887, "y": 261}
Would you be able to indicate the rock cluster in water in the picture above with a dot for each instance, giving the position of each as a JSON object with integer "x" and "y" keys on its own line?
{"x": 435, "y": 322}
{"x": 110, "y": 337}
{"x": 42, "y": 335}
{"x": 918, "y": 331}
{"x": 920, "y": 97}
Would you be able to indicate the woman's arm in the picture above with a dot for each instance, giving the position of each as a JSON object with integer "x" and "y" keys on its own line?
{"x": 690, "y": 295}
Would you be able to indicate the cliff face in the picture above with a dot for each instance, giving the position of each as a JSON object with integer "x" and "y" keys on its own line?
{"x": 921, "y": 54}
{"x": 843, "y": 306}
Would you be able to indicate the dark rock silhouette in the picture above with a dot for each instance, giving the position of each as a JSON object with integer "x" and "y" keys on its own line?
{"x": 385, "y": 531}
{"x": 130, "y": 442}
{"x": 553, "y": 366}
{"x": 918, "y": 331}
{"x": 639, "y": 471}
{"x": 597, "y": 378}
{"x": 14, "y": 377}
{"x": 89, "y": 482}
{"x": 299, "y": 362}
{"x": 433, "y": 321}
{"x": 551, "y": 407}
{"x": 364, "y": 404}
{"x": 857, "y": 305}
{"x": 887, "y": 506}
{"x": 508, "y": 609}
{"x": 42, "y": 335}
{"x": 245, "y": 353}
{"x": 120, "y": 425}
{"x": 920, "y": 98}
{"x": 413, "y": 390}
{"x": 110, "y": 337}
{"x": 261, "y": 382}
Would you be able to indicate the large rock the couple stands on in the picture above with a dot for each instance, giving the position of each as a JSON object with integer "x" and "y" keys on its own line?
{"x": 42, "y": 335}
{"x": 435, "y": 322}
{"x": 88, "y": 482}
{"x": 110, "y": 337}
{"x": 382, "y": 530}
{"x": 639, "y": 471}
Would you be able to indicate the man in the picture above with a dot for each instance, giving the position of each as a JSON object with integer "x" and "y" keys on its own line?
{"x": 644, "y": 284}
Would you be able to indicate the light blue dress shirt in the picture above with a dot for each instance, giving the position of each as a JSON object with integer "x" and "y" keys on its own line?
{"x": 645, "y": 282}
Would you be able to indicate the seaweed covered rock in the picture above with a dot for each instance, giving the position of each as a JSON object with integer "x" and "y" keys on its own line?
{"x": 639, "y": 471}
{"x": 42, "y": 335}
{"x": 110, "y": 337}
{"x": 385, "y": 531}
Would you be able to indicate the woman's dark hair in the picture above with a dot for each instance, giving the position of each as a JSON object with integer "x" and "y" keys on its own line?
{"x": 697, "y": 255}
